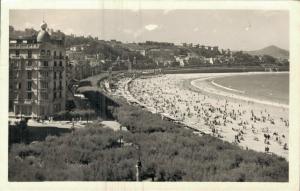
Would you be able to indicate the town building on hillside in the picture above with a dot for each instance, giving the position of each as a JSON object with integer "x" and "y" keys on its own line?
{"x": 129, "y": 64}
{"x": 215, "y": 49}
{"x": 84, "y": 65}
{"x": 183, "y": 60}
{"x": 142, "y": 52}
{"x": 96, "y": 66}
{"x": 77, "y": 48}
{"x": 37, "y": 78}
{"x": 75, "y": 55}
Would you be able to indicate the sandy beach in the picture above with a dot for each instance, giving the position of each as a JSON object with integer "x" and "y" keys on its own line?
{"x": 255, "y": 124}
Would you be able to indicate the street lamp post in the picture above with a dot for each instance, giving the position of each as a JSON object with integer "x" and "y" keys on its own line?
{"x": 138, "y": 165}
{"x": 138, "y": 168}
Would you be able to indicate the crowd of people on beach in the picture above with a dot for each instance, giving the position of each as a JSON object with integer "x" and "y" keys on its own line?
{"x": 252, "y": 126}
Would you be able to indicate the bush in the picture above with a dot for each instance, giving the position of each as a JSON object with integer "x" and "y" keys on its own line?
{"x": 168, "y": 152}
{"x": 76, "y": 113}
{"x": 138, "y": 120}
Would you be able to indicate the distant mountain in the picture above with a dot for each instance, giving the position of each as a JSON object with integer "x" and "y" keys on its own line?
{"x": 274, "y": 51}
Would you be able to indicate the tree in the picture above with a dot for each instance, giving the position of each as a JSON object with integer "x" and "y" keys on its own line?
{"x": 269, "y": 59}
{"x": 23, "y": 129}
{"x": 87, "y": 114}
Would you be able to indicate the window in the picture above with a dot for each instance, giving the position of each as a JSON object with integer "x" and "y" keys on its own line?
{"x": 44, "y": 95}
{"x": 48, "y": 53}
{"x": 45, "y": 63}
{"x": 60, "y": 63}
{"x": 29, "y": 95}
{"x": 60, "y": 55}
{"x": 54, "y": 53}
{"x": 57, "y": 107}
{"x": 17, "y": 53}
{"x": 29, "y": 54}
{"x": 60, "y": 94}
{"x": 55, "y": 63}
{"x": 11, "y": 74}
{"x": 54, "y": 75}
{"x": 17, "y": 109}
{"x": 18, "y": 64}
{"x": 60, "y": 75}
{"x": 29, "y": 85}
{"x": 54, "y": 95}
{"x": 42, "y": 110}
{"x": 60, "y": 85}
{"x": 29, "y": 63}
{"x": 19, "y": 86}
{"x": 44, "y": 74}
{"x": 29, "y": 74}
{"x": 54, "y": 85}
{"x": 42, "y": 52}
{"x": 14, "y": 64}
{"x": 27, "y": 110}
{"x": 44, "y": 85}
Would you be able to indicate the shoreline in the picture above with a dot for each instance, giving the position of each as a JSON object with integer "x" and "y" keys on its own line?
{"x": 226, "y": 88}
{"x": 232, "y": 95}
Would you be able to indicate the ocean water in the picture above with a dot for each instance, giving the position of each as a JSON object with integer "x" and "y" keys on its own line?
{"x": 270, "y": 86}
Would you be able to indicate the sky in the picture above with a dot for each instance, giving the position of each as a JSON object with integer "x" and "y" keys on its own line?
{"x": 234, "y": 29}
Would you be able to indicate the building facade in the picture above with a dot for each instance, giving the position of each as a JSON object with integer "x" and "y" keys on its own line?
{"x": 37, "y": 77}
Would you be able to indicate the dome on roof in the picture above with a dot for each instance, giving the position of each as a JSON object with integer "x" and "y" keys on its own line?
{"x": 43, "y": 25}
{"x": 43, "y": 36}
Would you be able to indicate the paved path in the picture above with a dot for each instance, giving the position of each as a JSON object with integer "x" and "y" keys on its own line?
{"x": 114, "y": 125}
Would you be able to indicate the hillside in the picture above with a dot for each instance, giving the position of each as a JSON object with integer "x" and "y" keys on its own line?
{"x": 272, "y": 50}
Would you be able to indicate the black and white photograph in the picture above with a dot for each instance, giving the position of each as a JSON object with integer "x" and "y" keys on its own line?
{"x": 150, "y": 94}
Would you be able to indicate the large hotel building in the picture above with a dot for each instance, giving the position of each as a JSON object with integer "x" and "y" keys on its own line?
{"x": 37, "y": 77}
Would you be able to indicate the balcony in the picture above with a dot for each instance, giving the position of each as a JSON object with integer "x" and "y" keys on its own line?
{"x": 17, "y": 91}
{"x": 48, "y": 68}
{"x": 17, "y": 68}
{"x": 28, "y": 101}
{"x": 18, "y": 57}
{"x": 16, "y": 101}
{"x": 58, "y": 57}
{"x": 43, "y": 89}
{"x": 25, "y": 101}
{"x": 37, "y": 68}
{"x": 24, "y": 46}
{"x": 58, "y": 68}
{"x": 29, "y": 67}
{"x": 41, "y": 101}
{"x": 45, "y": 57}
{"x": 44, "y": 77}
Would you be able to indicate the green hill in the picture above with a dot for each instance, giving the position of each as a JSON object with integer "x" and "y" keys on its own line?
{"x": 272, "y": 50}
